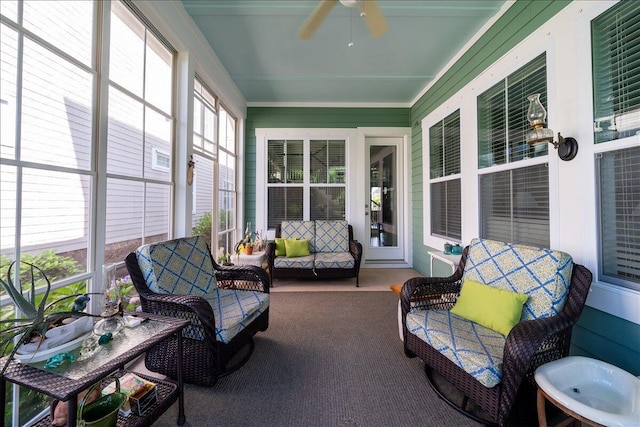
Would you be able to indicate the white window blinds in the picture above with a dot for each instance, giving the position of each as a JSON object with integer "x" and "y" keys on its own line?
{"x": 514, "y": 206}
{"x": 616, "y": 72}
{"x": 619, "y": 191}
{"x": 502, "y": 116}
{"x": 444, "y": 164}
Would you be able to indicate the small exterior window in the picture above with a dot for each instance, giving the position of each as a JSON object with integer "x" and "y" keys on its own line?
{"x": 161, "y": 160}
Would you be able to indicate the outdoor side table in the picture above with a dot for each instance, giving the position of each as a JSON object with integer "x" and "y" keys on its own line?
{"x": 66, "y": 382}
{"x": 255, "y": 259}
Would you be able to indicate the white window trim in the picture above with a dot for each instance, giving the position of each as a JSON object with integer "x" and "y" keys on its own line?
{"x": 263, "y": 135}
{"x": 429, "y": 121}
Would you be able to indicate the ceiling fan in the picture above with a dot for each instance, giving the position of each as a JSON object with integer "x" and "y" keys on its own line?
{"x": 369, "y": 10}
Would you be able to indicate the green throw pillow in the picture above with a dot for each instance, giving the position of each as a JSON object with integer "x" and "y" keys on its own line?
{"x": 296, "y": 248}
{"x": 490, "y": 307}
{"x": 281, "y": 249}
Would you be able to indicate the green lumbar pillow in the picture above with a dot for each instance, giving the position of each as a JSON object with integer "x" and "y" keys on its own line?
{"x": 493, "y": 308}
{"x": 281, "y": 249}
{"x": 296, "y": 248}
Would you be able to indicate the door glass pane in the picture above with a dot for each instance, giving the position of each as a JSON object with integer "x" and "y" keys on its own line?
{"x": 383, "y": 196}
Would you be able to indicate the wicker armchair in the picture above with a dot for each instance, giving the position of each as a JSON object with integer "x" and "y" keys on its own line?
{"x": 530, "y": 344}
{"x": 205, "y": 356}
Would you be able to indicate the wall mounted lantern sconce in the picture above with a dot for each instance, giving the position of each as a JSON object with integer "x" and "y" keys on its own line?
{"x": 537, "y": 115}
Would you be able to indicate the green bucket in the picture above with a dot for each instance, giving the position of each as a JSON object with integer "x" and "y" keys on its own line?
{"x": 102, "y": 412}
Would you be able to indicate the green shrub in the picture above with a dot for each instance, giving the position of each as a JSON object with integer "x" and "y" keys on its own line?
{"x": 204, "y": 227}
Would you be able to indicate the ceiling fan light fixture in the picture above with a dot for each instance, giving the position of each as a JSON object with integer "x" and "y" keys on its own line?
{"x": 350, "y": 3}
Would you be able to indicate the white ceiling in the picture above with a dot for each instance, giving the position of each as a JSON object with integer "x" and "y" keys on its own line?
{"x": 257, "y": 43}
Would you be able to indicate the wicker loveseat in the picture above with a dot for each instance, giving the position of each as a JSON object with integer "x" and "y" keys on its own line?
{"x": 332, "y": 254}
{"x": 492, "y": 370}
{"x": 226, "y": 305}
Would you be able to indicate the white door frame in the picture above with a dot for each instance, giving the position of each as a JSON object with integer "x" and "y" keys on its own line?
{"x": 359, "y": 221}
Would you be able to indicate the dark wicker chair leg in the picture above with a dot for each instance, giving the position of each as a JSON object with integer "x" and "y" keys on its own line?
{"x": 240, "y": 363}
{"x": 462, "y": 408}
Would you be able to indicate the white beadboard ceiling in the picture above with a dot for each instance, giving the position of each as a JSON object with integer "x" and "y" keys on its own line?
{"x": 257, "y": 43}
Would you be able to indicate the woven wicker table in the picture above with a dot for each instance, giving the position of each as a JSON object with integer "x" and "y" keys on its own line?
{"x": 65, "y": 383}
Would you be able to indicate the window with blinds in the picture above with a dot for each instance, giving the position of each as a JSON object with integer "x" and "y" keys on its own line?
{"x": 444, "y": 170}
{"x": 514, "y": 206}
{"x": 616, "y": 72}
{"x": 502, "y": 116}
{"x": 514, "y": 203}
{"x": 306, "y": 179}
{"x": 616, "y": 99}
{"x": 619, "y": 197}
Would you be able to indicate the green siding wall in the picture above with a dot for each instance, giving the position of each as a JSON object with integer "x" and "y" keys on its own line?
{"x": 520, "y": 20}
{"x": 606, "y": 337}
{"x": 597, "y": 334}
{"x": 294, "y": 117}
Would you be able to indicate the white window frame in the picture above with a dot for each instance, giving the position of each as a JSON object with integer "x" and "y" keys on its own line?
{"x": 438, "y": 116}
{"x": 306, "y": 135}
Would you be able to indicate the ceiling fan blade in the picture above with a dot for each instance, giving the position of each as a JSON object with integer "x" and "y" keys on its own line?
{"x": 315, "y": 19}
{"x": 374, "y": 18}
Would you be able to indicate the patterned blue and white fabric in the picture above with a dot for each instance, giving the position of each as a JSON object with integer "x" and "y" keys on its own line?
{"x": 332, "y": 236}
{"x": 184, "y": 267}
{"x": 180, "y": 266}
{"x": 297, "y": 262}
{"x": 543, "y": 274}
{"x": 334, "y": 260}
{"x": 301, "y": 230}
{"x": 235, "y": 310}
{"x": 476, "y": 349}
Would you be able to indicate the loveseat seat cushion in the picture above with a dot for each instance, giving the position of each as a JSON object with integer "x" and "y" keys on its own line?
{"x": 332, "y": 236}
{"x": 334, "y": 260}
{"x": 184, "y": 267}
{"x": 474, "y": 348}
{"x": 301, "y": 230}
{"x": 543, "y": 274}
{"x": 294, "y": 262}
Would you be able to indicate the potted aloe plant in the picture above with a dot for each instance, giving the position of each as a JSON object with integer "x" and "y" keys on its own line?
{"x": 37, "y": 317}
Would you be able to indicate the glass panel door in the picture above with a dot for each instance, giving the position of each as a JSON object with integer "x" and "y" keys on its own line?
{"x": 384, "y": 207}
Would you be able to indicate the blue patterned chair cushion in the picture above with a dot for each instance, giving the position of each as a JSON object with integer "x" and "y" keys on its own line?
{"x": 476, "y": 349}
{"x": 334, "y": 260}
{"x": 235, "y": 310}
{"x": 297, "y": 262}
{"x": 180, "y": 266}
{"x": 332, "y": 236}
{"x": 543, "y": 274}
{"x": 302, "y": 230}
{"x": 184, "y": 267}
